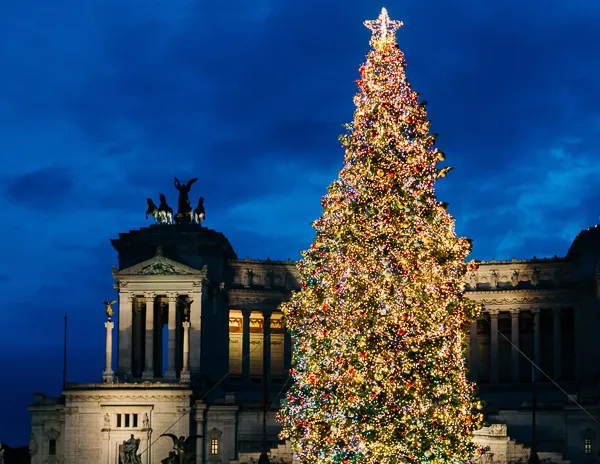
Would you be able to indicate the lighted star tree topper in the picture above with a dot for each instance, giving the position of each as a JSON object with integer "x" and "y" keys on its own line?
{"x": 380, "y": 324}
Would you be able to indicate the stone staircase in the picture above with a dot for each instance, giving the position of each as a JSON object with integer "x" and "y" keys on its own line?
{"x": 504, "y": 450}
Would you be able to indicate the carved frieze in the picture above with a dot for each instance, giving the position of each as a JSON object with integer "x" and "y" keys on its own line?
{"x": 241, "y": 297}
{"x": 264, "y": 274}
{"x": 104, "y": 398}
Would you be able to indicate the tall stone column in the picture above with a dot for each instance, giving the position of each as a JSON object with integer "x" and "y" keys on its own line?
{"x": 267, "y": 345}
{"x": 494, "y": 345}
{"x": 537, "y": 342}
{"x": 148, "y": 373}
{"x": 557, "y": 354}
{"x": 514, "y": 349}
{"x": 125, "y": 349}
{"x": 185, "y": 371}
{"x": 196, "y": 328}
{"x": 138, "y": 336}
{"x": 108, "y": 375}
{"x": 246, "y": 345}
{"x": 473, "y": 352}
{"x": 171, "y": 373}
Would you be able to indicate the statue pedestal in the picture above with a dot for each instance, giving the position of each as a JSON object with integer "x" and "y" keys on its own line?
{"x": 108, "y": 376}
{"x": 185, "y": 377}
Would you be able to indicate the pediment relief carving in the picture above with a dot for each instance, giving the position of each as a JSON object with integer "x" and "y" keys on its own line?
{"x": 159, "y": 265}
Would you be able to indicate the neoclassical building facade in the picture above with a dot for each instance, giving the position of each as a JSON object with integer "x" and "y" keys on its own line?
{"x": 198, "y": 335}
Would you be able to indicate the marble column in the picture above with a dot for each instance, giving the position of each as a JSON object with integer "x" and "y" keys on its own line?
{"x": 557, "y": 353}
{"x": 267, "y": 345}
{"x": 473, "y": 352}
{"x": 108, "y": 376}
{"x": 148, "y": 373}
{"x": 514, "y": 349}
{"x": 185, "y": 371}
{"x": 195, "y": 319}
{"x": 537, "y": 343}
{"x": 138, "y": 329}
{"x": 246, "y": 345}
{"x": 171, "y": 373}
{"x": 125, "y": 349}
{"x": 494, "y": 346}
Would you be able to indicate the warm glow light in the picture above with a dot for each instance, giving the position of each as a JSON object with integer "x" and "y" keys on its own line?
{"x": 380, "y": 323}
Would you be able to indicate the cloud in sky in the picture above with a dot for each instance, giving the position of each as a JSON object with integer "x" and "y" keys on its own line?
{"x": 103, "y": 102}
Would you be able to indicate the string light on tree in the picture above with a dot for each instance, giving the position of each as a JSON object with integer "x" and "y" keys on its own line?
{"x": 380, "y": 323}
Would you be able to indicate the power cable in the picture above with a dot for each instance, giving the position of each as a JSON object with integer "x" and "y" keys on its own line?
{"x": 185, "y": 413}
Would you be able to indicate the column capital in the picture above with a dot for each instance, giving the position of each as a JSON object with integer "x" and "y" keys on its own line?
{"x": 493, "y": 312}
{"x": 149, "y": 297}
{"x": 514, "y": 312}
{"x": 535, "y": 311}
{"x": 172, "y": 297}
{"x": 197, "y": 286}
{"x": 186, "y": 324}
{"x": 126, "y": 296}
{"x": 109, "y": 325}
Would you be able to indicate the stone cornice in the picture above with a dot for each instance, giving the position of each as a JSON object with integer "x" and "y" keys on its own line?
{"x": 142, "y": 398}
{"x": 262, "y": 262}
{"x": 534, "y": 261}
{"x": 109, "y": 387}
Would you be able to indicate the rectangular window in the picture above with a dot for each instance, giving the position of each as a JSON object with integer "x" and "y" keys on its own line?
{"x": 52, "y": 447}
{"x": 126, "y": 420}
{"x": 587, "y": 446}
{"x": 214, "y": 446}
{"x": 135, "y": 420}
{"x": 119, "y": 424}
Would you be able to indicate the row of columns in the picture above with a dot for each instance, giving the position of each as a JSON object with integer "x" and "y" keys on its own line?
{"x": 191, "y": 358}
{"x": 108, "y": 374}
{"x": 514, "y": 339}
{"x": 266, "y": 343}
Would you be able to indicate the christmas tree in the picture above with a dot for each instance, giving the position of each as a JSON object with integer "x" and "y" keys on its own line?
{"x": 380, "y": 324}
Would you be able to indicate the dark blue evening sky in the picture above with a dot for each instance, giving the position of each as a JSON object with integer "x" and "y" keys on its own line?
{"x": 102, "y": 102}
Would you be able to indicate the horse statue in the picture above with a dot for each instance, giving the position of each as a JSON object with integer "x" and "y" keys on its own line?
{"x": 199, "y": 212}
{"x": 152, "y": 210}
{"x": 162, "y": 214}
{"x": 165, "y": 212}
